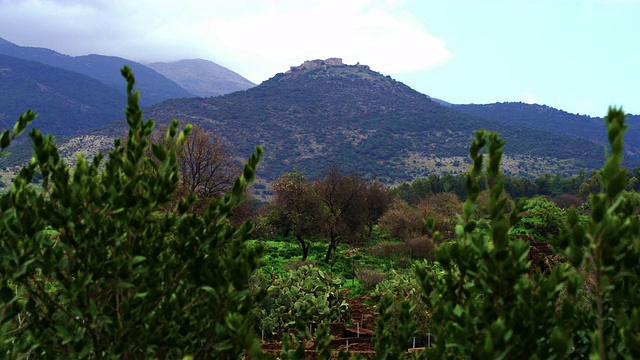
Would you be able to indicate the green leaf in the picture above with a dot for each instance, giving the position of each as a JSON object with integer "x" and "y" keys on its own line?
{"x": 138, "y": 259}
{"x": 64, "y": 334}
{"x": 457, "y": 310}
{"x": 5, "y": 139}
{"x": 124, "y": 285}
{"x": 208, "y": 289}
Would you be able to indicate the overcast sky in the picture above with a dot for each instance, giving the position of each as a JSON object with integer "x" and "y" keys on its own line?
{"x": 577, "y": 55}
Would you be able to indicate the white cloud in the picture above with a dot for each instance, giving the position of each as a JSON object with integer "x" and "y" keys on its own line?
{"x": 390, "y": 43}
{"x": 254, "y": 37}
{"x": 529, "y": 98}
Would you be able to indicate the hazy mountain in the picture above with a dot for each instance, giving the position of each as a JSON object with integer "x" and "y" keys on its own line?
{"x": 546, "y": 118}
{"x": 202, "y": 77}
{"x": 67, "y": 102}
{"x": 324, "y": 112}
{"x": 105, "y": 69}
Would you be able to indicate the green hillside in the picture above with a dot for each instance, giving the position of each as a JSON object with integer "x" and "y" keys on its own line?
{"x": 312, "y": 118}
{"x": 321, "y": 113}
{"x": 542, "y": 117}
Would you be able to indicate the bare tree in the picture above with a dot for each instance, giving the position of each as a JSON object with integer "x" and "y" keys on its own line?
{"x": 206, "y": 164}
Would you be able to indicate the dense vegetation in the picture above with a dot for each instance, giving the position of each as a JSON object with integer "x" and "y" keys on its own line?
{"x": 129, "y": 282}
{"x": 95, "y": 264}
{"x": 574, "y": 189}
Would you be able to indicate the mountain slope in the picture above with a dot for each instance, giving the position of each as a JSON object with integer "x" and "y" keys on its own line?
{"x": 324, "y": 113}
{"x": 105, "y": 69}
{"x": 202, "y": 77}
{"x": 67, "y": 102}
{"x": 542, "y": 117}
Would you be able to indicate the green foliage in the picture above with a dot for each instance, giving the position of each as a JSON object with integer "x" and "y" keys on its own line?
{"x": 392, "y": 343}
{"x": 606, "y": 249}
{"x": 404, "y": 287}
{"x": 307, "y": 294}
{"x": 132, "y": 282}
{"x": 549, "y": 215}
{"x": 486, "y": 304}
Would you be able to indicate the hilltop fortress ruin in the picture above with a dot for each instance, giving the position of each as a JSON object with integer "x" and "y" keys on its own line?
{"x": 313, "y": 64}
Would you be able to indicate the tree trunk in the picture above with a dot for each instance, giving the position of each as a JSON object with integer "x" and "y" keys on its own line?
{"x": 332, "y": 246}
{"x": 305, "y": 247}
{"x": 370, "y": 225}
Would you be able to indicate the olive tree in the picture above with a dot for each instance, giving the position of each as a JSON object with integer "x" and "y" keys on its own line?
{"x": 337, "y": 206}
{"x": 295, "y": 209}
{"x": 346, "y": 207}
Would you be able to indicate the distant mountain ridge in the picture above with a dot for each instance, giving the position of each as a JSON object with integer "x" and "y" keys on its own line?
{"x": 202, "y": 77}
{"x": 105, "y": 69}
{"x": 542, "y": 117}
{"x": 66, "y": 102}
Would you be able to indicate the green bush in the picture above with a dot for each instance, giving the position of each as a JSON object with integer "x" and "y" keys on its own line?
{"x": 549, "y": 215}
{"x": 606, "y": 249}
{"x": 306, "y": 294}
{"x": 485, "y": 302}
{"x": 489, "y": 304}
{"x": 131, "y": 282}
{"x": 405, "y": 287}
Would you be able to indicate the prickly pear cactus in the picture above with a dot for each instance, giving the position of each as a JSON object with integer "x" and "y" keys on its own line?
{"x": 306, "y": 294}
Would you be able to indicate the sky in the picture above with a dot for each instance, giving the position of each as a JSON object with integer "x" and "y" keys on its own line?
{"x": 581, "y": 56}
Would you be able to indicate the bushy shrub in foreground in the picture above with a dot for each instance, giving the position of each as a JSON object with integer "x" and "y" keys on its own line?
{"x": 132, "y": 282}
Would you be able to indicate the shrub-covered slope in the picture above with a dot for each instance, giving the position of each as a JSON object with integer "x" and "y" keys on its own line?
{"x": 312, "y": 118}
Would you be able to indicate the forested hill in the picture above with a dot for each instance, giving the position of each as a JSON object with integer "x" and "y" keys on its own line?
{"x": 320, "y": 114}
{"x": 66, "y": 102}
{"x": 546, "y": 118}
{"x": 105, "y": 69}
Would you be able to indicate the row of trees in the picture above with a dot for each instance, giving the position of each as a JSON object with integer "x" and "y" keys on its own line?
{"x": 337, "y": 206}
{"x": 580, "y": 185}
